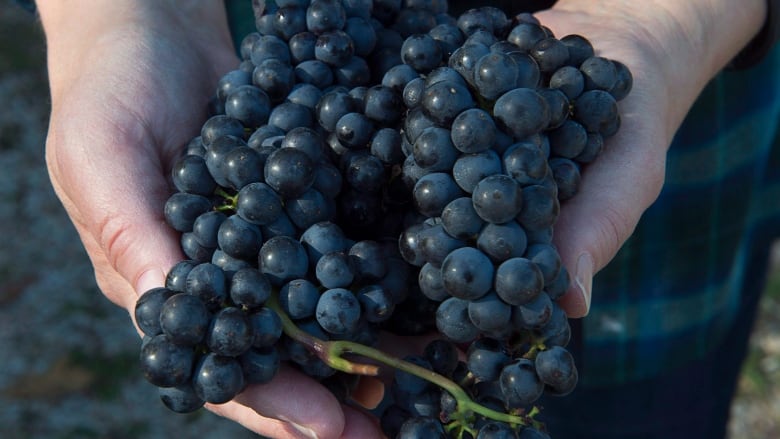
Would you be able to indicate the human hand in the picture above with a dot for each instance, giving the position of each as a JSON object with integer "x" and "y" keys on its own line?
{"x": 130, "y": 83}
{"x": 673, "y": 49}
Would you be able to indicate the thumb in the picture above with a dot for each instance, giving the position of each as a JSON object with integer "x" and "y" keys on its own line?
{"x": 115, "y": 196}
{"x": 614, "y": 193}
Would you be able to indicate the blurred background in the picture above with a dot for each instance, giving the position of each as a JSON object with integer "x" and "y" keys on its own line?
{"x": 69, "y": 367}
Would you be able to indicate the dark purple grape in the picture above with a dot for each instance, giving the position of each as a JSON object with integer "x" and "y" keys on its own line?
{"x": 193, "y": 249}
{"x": 467, "y": 273}
{"x": 520, "y": 384}
{"x": 230, "y": 333}
{"x": 624, "y": 82}
{"x": 275, "y": 77}
{"x": 569, "y": 80}
{"x": 421, "y": 52}
{"x": 314, "y": 72}
{"x": 568, "y": 140}
{"x": 376, "y": 304}
{"x": 248, "y": 104}
{"x": 433, "y": 192}
{"x": 176, "y": 279}
{"x": 208, "y": 282}
{"x": 301, "y": 47}
{"x": 497, "y": 198}
{"x": 430, "y": 283}
{"x": 166, "y": 364}
{"x": 525, "y": 162}
{"x": 597, "y": 111}
{"x": 494, "y": 74}
{"x": 486, "y": 358}
{"x": 496, "y": 430}
{"x": 259, "y": 366}
{"x": 452, "y": 320}
{"x": 383, "y": 105}
{"x": 334, "y": 48}
{"x": 540, "y": 207}
{"x": 525, "y": 35}
{"x": 180, "y": 399}
{"x": 148, "y": 307}
{"x": 442, "y": 355}
{"x": 290, "y": 172}
{"x": 249, "y": 288}
{"x": 289, "y": 115}
{"x": 449, "y": 38}
{"x": 522, "y": 112}
{"x": 184, "y": 319}
{"x": 218, "y": 126}
{"x": 269, "y": 47}
{"x": 332, "y": 106}
{"x": 434, "y": 151}
{"x": 518, "y": 281}
{"x": 533, "y": 314}
{"x": 282, "y": 259}
{"x": 489, "y": 313}
{"x": 421, "y": 427}
{"x": 335, "y": 270}
{"x": 190, "y": 174}
{"x": 398, "y": 76}
{"x": 555, "y": 367}
{"x": 502, "y": 241}
{"x": 338, "y": 311}
{"x": 460, "y": 220}
{"x": 239, "y": 238}
{"x": 258, "y": 204}
{"x": 579, "y": 47}
{"x": 266, "y": 327}
{"x": 182, "y": 209}
{"x": 599, "y": 73}
{"x": 217, "y": 379}
{"x": 473, "y": 131}
{"x": 325, "y": 15}
{"x": 567, "y": 177}
{"x": 363, "y": 35}
{"x": 470, "y": 169}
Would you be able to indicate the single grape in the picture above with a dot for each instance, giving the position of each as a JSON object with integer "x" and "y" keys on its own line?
{"x": 217, "y": 379}
{"x": 338, "y": 311}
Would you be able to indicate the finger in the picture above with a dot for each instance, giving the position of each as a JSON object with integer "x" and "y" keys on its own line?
{"x": 359, "y": 425}
{"x": 296, "y": 405}
{"x": 119, "y": 211}
{"x": 615, "y": 191}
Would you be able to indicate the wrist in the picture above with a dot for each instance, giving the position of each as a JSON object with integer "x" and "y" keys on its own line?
{"x": 75, "y": 29}
{"x": 683, "y": 44}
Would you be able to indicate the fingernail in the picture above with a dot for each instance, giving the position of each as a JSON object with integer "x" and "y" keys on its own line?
{"x": 306, "y": 431}
{"x": 583, "y": 278}
{"x": 149, "y": 279}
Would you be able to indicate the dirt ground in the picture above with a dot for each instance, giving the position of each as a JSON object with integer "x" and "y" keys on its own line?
{"x": 69, "y": 356}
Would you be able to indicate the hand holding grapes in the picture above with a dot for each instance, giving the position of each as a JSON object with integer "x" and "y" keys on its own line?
{"x": 146, "y": 135}
{"x": 129, "y": 87}
{"x": 672, "y": 56}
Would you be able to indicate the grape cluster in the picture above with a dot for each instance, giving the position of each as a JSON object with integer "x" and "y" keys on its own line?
{"x": 383, "y": 165}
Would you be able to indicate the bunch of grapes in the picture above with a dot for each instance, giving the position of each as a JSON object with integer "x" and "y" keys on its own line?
{"x": 383, "y": 165}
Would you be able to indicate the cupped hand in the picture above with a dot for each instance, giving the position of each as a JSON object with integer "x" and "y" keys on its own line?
{"x": 664, "y": 47}
{"x": 129, "y": 88}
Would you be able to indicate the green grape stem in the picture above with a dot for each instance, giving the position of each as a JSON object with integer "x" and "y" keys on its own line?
{"x": 332, "y": 353}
